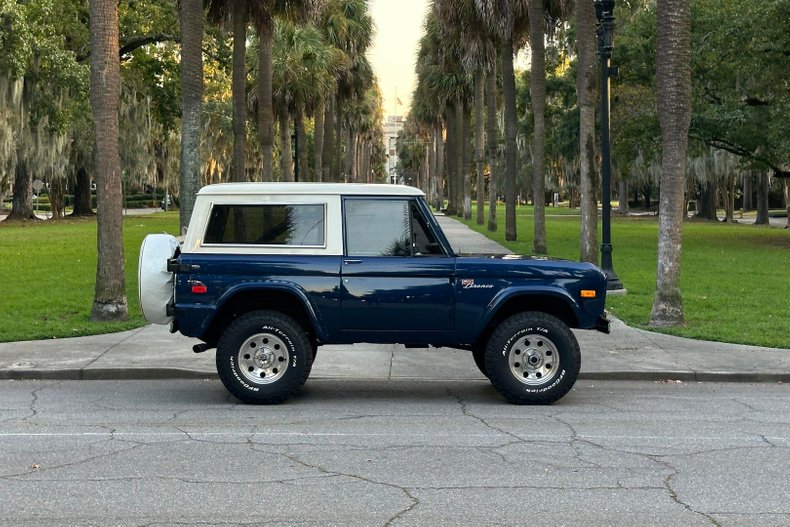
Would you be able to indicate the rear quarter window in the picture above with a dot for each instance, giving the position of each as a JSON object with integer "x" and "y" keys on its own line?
{"x": 280, "y": 225}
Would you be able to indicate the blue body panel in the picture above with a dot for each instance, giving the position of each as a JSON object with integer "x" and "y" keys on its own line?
{"x": 411, "y": 300}
{"x": 314, "y": 280}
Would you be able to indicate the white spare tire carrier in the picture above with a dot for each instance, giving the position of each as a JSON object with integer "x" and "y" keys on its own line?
{"x": 155, "y": 282}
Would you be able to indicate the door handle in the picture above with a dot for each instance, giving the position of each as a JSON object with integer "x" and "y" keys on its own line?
{"x": 349, "y": 261}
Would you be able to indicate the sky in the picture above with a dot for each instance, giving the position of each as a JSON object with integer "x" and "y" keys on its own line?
{"x": 394, "y": 50}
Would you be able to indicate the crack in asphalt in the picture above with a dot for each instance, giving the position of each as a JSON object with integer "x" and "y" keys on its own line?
{"x": 33, "y": 409}
{"x": 674, "y": 471}
{"x": 667, "y": 481}
{"x": 574, "y": 442}
{"x": 413, "y": 499}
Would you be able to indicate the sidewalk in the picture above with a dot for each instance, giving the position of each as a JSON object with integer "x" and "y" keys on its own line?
{"x": 152, "y": 352}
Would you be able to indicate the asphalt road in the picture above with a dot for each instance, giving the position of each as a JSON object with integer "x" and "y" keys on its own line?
{"x": 400, "y": 453}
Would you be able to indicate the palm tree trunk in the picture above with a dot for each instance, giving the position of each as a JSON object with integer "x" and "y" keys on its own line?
{"x": 460, "y": 158}
{"x": 431, "y": 183}
{"x": 509, "y": 96}
{"x": 337, "y": 154}
{"x": 301, "y": 140}
{"x": 265, "y": 109}
{"x": 286, "y": 157}
{"x": 318, "y": 139}
{"x": 329, "y": 140}
{"x": 467, "y": 166}
{"x": 439, "y": 175}
{"x": 109, "y": 302}
{"x": 351, "y": 156}
{"x": 491, "y": 136}
{"x": 479, "y": 152}
{"x": 191, "y": 14}
{"x": 673, "y": 97}
{"x": 348, "y": 155}
{"x": 239, "y": 88}
{"x": 537, "y": 90}
{"x": 452, "y": 206}
{"x": 586, "y": 92}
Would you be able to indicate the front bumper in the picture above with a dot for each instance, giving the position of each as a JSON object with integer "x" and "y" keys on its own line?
{"x": 602, "y": 324}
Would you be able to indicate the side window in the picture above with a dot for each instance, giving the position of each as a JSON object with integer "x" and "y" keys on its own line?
{"x": 266, "y": 225}
{"x": 425, "y": 242}
{"x": 377, "y": 227}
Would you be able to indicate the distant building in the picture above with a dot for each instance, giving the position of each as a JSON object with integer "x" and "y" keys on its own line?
{"x": 392, "y": 126}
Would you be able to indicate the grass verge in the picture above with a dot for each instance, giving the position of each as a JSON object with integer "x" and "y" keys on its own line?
{"x": 734, "y": 278}
{"x": 48, "y": 275}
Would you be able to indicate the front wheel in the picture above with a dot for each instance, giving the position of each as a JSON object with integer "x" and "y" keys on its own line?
{"x": 263, "y": 357}
{"x": 532, "y": 358}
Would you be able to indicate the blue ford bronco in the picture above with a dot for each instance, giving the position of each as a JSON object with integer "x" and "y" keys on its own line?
{"x": 268, "y": 272}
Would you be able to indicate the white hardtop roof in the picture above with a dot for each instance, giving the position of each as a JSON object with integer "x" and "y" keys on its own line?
{"x": 359, "y": 189}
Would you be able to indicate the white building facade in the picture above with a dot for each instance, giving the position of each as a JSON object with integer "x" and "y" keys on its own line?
{"x": 392, "y": 126}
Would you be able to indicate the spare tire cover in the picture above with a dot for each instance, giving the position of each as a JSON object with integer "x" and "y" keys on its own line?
{"x": 155, "y": 283}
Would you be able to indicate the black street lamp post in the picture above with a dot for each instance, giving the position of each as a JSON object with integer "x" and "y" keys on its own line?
{"x": 604, "y": 12}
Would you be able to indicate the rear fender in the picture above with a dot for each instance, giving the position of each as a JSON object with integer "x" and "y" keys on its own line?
{"x": 260, "y": 289}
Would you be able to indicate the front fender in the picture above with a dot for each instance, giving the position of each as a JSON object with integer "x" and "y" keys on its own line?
{"x": 507, "y": 294}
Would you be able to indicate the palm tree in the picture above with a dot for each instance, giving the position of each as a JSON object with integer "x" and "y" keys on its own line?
{"x": 109, "y": 302}
{"x": 541, "y": 12}
{"x": 508, "y": 22}
{"x": 348, "y": 27}
{"x": 217, "y": 11}
{"x": 463, "y": 24}
{"x": 302, "y": 73}
{"x": 673, "y": 97}
{"x": 191, "y": 16}
{"x": 586, "y": 92}
{"x": 491, "y": 136}
{"x": 537, "y": 90}
{"x": 447, "y": 85}
{"x": 264, "y": 13}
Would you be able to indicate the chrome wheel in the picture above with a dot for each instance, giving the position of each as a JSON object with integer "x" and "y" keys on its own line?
{"x": 534, "y": 360}
{"x": 263, "y": 358}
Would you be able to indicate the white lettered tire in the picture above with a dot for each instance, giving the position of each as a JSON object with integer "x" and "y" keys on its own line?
{"x": 155, "y": 282}
{"x": 532, "y": 358}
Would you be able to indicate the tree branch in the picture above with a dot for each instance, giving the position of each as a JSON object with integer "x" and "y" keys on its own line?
{"x": 738, "y": 150}
{"x": 136, "y": 42}
{"x": 143, "y": 40}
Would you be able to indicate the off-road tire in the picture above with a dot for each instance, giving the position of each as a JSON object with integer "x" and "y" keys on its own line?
{"x": 264, "y": 357}
{"x": 532, "y": 358}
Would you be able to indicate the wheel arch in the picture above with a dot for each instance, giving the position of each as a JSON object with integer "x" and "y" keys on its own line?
{"x": 282, "y": 297}
{"x": 556, "y": 303}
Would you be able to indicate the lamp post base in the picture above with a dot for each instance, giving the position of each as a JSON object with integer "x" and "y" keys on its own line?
{"x": 613, "y": 284}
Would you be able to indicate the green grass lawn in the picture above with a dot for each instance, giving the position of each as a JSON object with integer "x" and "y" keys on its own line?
{"x": 48, "y": 274}
{"x": 734, "y": 278}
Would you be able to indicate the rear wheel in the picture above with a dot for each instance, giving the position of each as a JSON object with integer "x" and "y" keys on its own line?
{"x": 532, "y": 358}
{"x": 263, "y": 357}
